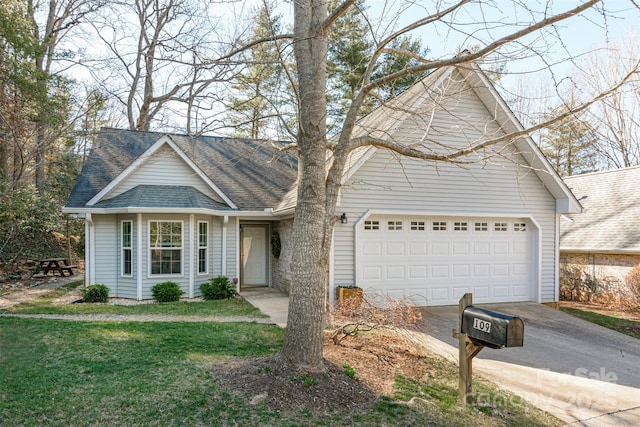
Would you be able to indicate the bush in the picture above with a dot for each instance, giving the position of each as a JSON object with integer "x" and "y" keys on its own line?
{"x": 95, "y": 293}
{"x": 166, "y": 292}
{"x": 633, "y": 282}
{"x": 218, "y": 288}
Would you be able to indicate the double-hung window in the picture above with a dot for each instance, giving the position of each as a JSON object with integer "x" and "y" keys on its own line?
{"x": 126, "y": 258}
{"x": 165, "y": 246}
{"x": 203, "y": 247}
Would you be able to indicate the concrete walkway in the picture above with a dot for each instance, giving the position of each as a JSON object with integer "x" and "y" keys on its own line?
{"x": 270, "y": 301}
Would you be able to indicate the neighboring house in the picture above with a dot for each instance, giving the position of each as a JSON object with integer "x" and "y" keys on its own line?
{"x": 599, "y": 247}
{"x": 168, "y": 207}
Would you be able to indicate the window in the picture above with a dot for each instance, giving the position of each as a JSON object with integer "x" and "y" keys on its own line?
{"x": 520, "y": 226}
{"x": 439, "y": 226}
{"x": 480, "y": 226}
{"x": 394, "y": 225}
{"x": 165, "y": 245}
{"x": 372, "y": 225}
{"x": 203, "y": 247}
{"x": 417, "y": 225}
{"x": 500, "y": 226}
{"x": 126, "y": 259}
{"x": 460, "y": 226}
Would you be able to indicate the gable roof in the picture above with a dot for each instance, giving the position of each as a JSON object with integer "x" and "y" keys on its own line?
{"x": 424, "y": 96}
{"x": 249, "y": 175}
{"x": 610, "y": 221}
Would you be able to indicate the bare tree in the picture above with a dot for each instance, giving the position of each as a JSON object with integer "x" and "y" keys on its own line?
{"x": 60, "y": 18}
{"x": 616, "y": 119}
{"x": 318, "y": 188}
{"x": 159, "y": 56}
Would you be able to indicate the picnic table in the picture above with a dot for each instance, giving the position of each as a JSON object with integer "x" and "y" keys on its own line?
{"x": 53, "y": 265}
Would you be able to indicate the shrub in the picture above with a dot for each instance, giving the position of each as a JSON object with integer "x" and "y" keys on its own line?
{"x": 95, "y": 293}
{"x": 166, "y": 292}
{"x": 633, "y": 282}
{"x": 218, "y": 288}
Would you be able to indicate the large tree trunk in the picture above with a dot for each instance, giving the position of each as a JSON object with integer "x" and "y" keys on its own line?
{"x": 302, "y": 345}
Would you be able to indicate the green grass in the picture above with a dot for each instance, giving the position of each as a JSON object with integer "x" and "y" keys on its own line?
{"x": 233, "y": 307}
{"x": 625, "y": 326}
{"x": 63, "y": 373}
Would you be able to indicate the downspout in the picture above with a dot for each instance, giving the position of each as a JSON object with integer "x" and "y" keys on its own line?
{"x": 192, "y": 257}
{"x": 225, "y": 221}
{"x": 139, "y": 255}
{"x": 90, "y": 249}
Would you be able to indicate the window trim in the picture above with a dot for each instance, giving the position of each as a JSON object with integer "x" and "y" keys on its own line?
{"x": 124, "y": 248}
{"x": 150, "y": 249}
{"x": 206, "y": 249}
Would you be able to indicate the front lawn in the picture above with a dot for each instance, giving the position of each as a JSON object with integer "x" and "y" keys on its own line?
{"x": 63, "y": 373}
{"x": 232, "y": 307}
{"x": 625, "y": 326}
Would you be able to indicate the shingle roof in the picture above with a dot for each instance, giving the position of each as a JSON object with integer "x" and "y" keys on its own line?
{"x": 610, "y": 221}
{"x": 162, "y": 196}
{"x": 253, "y": 174}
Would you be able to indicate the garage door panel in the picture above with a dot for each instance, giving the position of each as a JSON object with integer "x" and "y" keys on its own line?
{"x": 394, "y": 272}
{"x": 418, "y": 272}
{"x": 461, "y": 270}
{"x": 417, "y": 248}
{"x": 440, "y": 248}
{"x": 481, "y": 292}
{"x": 395, "y": 249}
{"x": 490, "y": 257}
{"x": 501, "y": 270}
{"x": 372, "y": 273}
{"x": 481, "y": 248}
{"x": 372, "y": 249}
{"x": 501, "y": 248}
{"x": 439, "y": 271}
{"x": 461, "y": 248}
{"x": 482, "y": 270}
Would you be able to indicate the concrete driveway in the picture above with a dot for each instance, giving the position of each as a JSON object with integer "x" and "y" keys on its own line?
{"x": 582, "y": 373}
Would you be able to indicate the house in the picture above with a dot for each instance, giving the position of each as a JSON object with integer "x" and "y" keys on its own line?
{"x": 599, "y": 247}
{"x": 170, "y": 207}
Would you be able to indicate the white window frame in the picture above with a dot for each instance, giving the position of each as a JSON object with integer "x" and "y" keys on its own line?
{"x": 124, "y": 248}
{"x": 395, "y": 225}
{"x": 372, "y": 225}
{"x": 418, "y": 226}
{"x": 205, "y": 248}
{"x": 156, "y": 248}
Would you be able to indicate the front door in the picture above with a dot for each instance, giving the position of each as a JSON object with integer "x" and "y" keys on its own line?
{"x": 254, "y": 255}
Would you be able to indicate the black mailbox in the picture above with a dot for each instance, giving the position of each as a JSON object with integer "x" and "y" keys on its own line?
{"x": 492, "y": 329}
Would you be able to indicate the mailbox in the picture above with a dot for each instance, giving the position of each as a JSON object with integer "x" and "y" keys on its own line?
{"x": 492, "y": 329}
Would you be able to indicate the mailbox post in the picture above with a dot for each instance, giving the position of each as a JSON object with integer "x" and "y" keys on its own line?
{"x": 479, "y": 328}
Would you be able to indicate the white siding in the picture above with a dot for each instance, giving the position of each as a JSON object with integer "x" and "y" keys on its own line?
{"x": 497, "y": 188}
{"x": 165, "y": 167}
{"x": 108, "y": 252}
{"x": 106, "y": 234}
{"x": 126, "y": 287}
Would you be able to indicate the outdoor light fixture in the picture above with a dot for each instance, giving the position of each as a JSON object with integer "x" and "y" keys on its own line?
{"x": 343, "y": 218}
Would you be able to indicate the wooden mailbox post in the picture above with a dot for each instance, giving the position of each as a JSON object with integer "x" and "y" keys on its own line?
{"x": 479, "y": 328}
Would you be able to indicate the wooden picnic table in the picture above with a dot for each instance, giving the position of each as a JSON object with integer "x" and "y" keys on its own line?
{"x": 53, "y": 265}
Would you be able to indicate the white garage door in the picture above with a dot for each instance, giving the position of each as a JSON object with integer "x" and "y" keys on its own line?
{"x": 436, "y": 260}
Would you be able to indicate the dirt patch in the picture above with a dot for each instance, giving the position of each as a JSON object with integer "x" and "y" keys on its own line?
{"x": 376, "y": 360}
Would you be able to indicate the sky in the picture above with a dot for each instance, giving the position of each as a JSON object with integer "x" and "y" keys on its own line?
{"x": 479, "y": 23}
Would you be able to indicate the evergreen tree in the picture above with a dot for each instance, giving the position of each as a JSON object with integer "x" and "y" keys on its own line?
{"x": 569, "y": 145}
{"x": 255, "y": 106}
